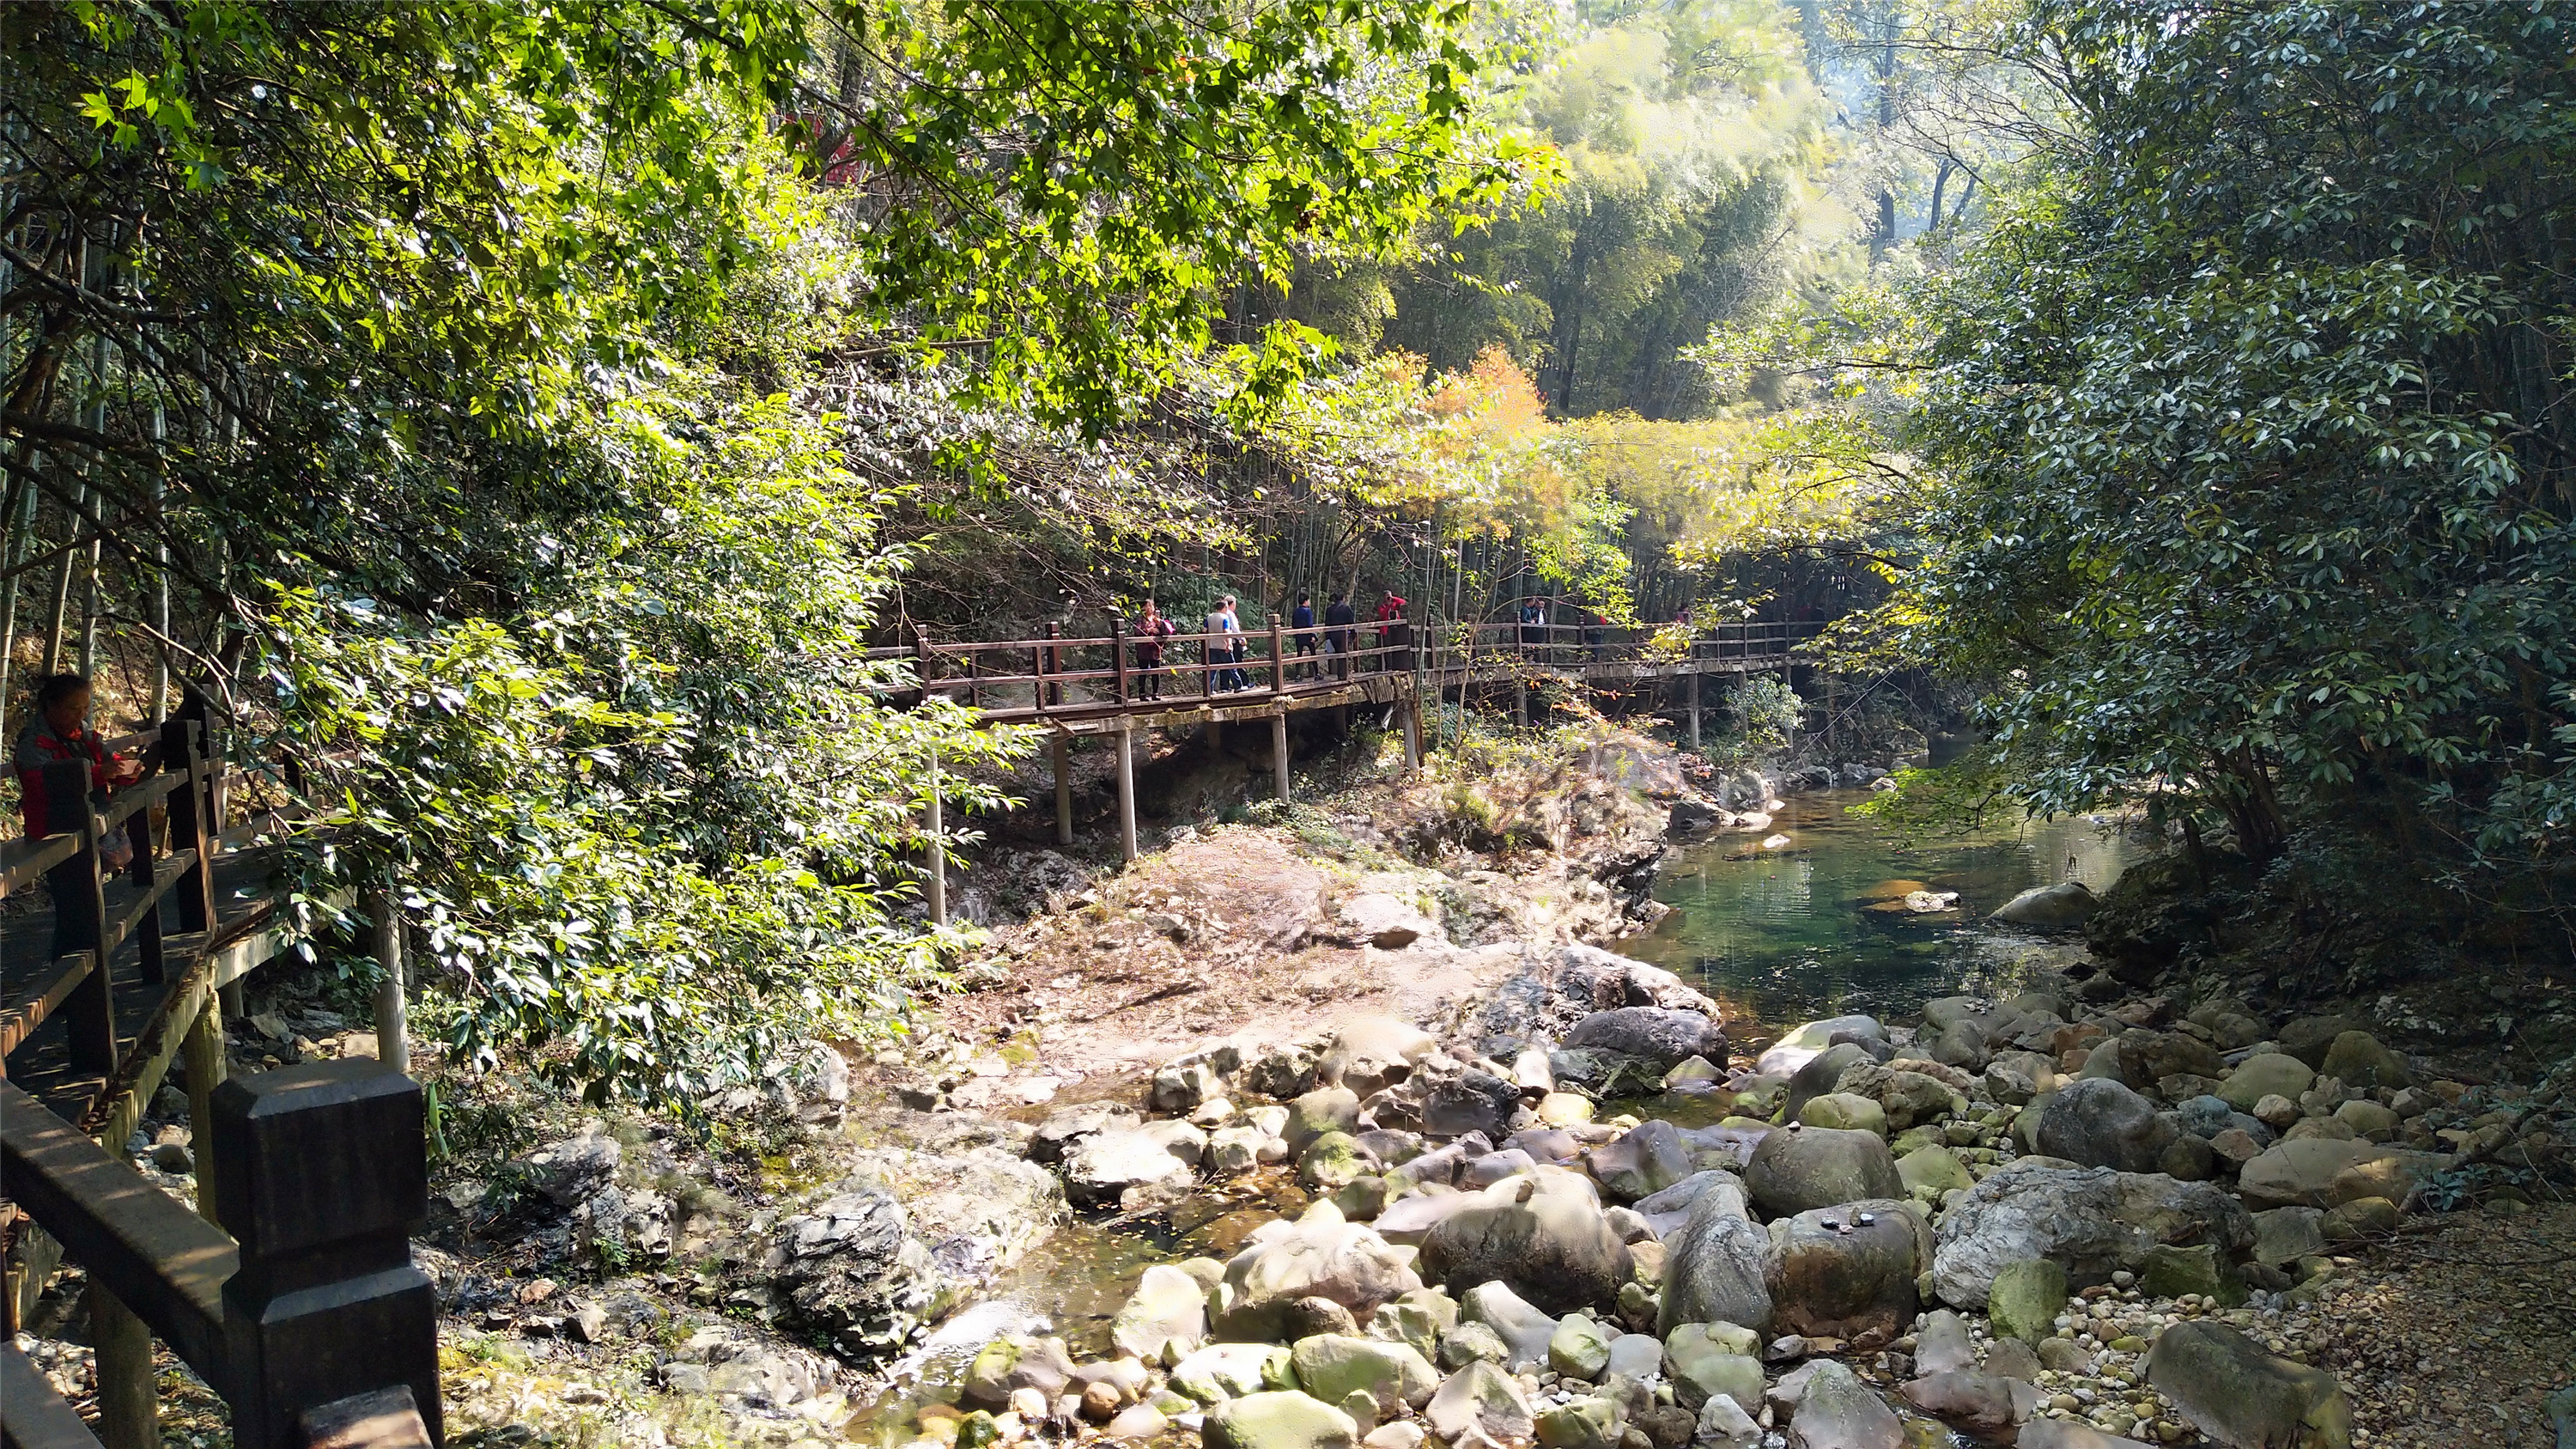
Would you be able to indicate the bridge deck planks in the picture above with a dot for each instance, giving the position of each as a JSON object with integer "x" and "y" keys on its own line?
{"x": 41, "y": 1068}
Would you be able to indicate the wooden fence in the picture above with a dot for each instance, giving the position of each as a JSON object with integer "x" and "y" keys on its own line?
{"x": 289, "y": 1289}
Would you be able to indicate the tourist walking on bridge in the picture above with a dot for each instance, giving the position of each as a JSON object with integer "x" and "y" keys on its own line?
{"x": 1302, "y": 620}
{"x": 1224, "y": 649}
{"x": 1339, "y": 616}
{"x": 1151, "y": 630}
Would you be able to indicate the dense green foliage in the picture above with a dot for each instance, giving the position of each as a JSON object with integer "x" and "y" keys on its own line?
{"x": 2253, "y": 421}
{"x": 437, "y": 360}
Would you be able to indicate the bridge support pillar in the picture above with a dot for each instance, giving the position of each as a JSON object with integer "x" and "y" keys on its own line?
{"x": 127, "y": 1415}
{"x": 1520, "y": 701}
{"x": 1694, "y": 710}
{"x": 204, "y": 1050}
{"x": 1126, "y": 792}
{"x": 938, "y": 850}
{"x": 1060, "y": 747}
{"x": 1411, "y": 708}
{"x": 1279, "y": 753}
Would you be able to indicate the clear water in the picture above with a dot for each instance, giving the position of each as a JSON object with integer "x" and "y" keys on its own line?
{"x": 1790, "y": 934}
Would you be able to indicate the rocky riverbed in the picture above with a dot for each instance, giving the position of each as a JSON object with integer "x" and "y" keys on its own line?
{"x": 1502, "y": 1185}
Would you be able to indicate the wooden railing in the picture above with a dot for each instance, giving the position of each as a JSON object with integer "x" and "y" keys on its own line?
{"x": 290, "y": 1288}
{"x": 1028, "y": 679}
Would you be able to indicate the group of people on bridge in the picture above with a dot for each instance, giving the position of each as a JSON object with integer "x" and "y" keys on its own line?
{"x": 1222, "y": 652}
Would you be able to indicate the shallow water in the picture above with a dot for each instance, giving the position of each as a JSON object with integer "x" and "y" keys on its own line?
{"x": 1787, "y": 935}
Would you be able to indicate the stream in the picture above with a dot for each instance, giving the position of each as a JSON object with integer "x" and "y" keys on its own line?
{"x": 1817, "y": 927}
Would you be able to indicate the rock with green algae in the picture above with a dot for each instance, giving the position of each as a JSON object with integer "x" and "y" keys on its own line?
{"x": 1280, "y": 1419}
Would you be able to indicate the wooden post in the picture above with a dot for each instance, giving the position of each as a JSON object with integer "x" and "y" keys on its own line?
{"x": 1118, "y": 655}
{"x": 393, "y": 1033}
{"x": 1279, "y": 752}
{"x": 1412, "y": 710}
{"x": 1054, "y": 665}
{"x": 1520, "y": 699}
{"x": 89, "y": 1012}
{"x": 1278, "y": 674}
{"x": 1126, "y": 792}
{"x": 204, "y": 1052}
{"x": 1694, "y": 709}
{"x": 1060, "y": 749}
{"x": 324, "y": 1175}
{"x": 127, "y": 1415}
{"x": 138, "y": 873}
{"x": 938, "y": 850}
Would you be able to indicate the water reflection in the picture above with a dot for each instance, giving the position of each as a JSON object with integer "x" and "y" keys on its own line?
{"x": 1837, "y": 921}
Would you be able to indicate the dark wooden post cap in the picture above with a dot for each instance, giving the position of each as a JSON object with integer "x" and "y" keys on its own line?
{"x": 319, "y": 1155}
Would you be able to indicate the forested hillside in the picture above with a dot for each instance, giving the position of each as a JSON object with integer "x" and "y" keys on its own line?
{"x": 525, "y": 418}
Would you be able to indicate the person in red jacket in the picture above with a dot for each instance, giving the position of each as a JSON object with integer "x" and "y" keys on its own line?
{"x": 1390, "y": 620}
{"x": 60, "y": 731}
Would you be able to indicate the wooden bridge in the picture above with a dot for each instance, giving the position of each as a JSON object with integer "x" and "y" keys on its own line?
{"x": 1102, "y": 685}
{"x": 289, "y": 1286}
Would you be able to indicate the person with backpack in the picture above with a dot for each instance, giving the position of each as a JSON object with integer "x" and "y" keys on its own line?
{"x": 1302, "y": 620}
{"x": 1339, "y": 616}
{"x": 1224, "y": 649}
{"x": 59, "y": 734}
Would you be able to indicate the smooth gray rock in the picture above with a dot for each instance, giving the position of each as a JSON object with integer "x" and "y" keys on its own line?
{"x": 1814, "y": 1167}
{"x": 1646, "y": 1159}
{"x": 1837, "y": 1411}
{"x": 1831, "y": 1274}
{"x": 2093, "y": 1221}
{"x": 2229, "y": 1388}
{"x": 1664, "y": 1037}
{"x": 1713, "y": 1268}
{"x": 2101, "y": 1123}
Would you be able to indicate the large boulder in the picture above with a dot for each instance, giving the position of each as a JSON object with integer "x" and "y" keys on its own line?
{"x": 1480, "y": 1404}
{"x": 1837, "y": 1411}
{"x": 1908, "y": 1098}
{"x": 2270, "y": 1074}
{"x": 1646, "y": 1159}
{"x": 1844, "y": 1112}
{"x": 2233, "y": 1391}
{"x": 1984, "y": 1405}
{"x": 2359, "y": 1061}
{"x": 1165, "y": 1319}
{"x": 1325, "y": 1109}
{"x": 1813, "y": 1167}
{"x": 1841, "y": 1272}
{"x": 1009, "y": 1364}
{"x": 1333, "y": 1366}
{"x": 1318, "y": 1256}
{"x": 1282, "y": 1419}
{"x": 2309, "y": 1038}
{"x": 2101, "y": 1123}
{"x": 1713, "y": 1267}
{"x": 1668, "y": 1038}
{"x": 854, "y": 1275}
{"x": 2025, "y": 1298}
{"x": 2324, "y": 1172}
{"x": 1103, "y": 1169}
{"x": 2093, "y": 1221}
{"x": 1553, "y": 1246}
{"x": 1222, "y": 1371}
{"x": 2064, "y": 906}
{"x": 1470, "y": 1102}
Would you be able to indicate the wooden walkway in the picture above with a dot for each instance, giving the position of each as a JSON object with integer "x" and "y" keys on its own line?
{"x": 1118, "y": 685}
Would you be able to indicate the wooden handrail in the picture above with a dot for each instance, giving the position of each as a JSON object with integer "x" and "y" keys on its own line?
{"x": 164, "y": 1262}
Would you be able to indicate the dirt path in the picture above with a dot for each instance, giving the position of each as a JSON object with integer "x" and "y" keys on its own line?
{"x": 1234, "y": 934}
